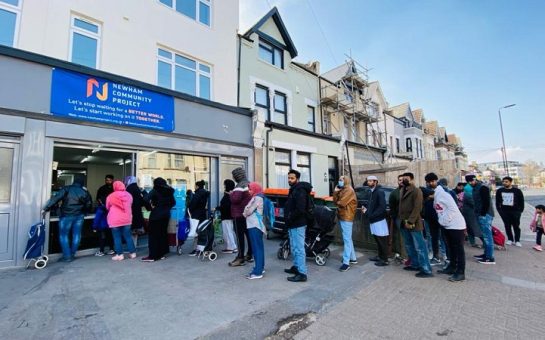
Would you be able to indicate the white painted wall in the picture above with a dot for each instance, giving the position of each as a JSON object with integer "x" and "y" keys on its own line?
{"x": 132, "y": 30}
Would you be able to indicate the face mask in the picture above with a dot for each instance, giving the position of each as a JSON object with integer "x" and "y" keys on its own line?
{"x": 341, "y": 184}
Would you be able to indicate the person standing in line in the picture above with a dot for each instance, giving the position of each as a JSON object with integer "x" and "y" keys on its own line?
{"x": 198, "y": 211}
{"x": 105, "y": 234}
{"x": 296, "y": 213}
{"x": 393, "y": 201}
{"x": 537, "y": 225}
{"x": 376, "y": 213}
{"x": 138, "y": 202}
{"x": 240, "y": 196}
{"x": 468, "y": 210}
{"x": 510, "y": 205}
{"x": 119, "y": 206}
{"x": 410, "y": 206}
{"x": 253, "y": 212}
{"x": 160, "y": 201}
{"x": 75, "y": 202}
{"x": 453, "y": 224}
{"x": 227, "y": 225}
{"x": 432, "y": 225}
{"x": 344, "y": 197}
{"x": 485, "y": 215}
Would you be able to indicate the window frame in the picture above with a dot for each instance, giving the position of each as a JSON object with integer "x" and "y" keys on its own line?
{"x": 197, "y": 70}
{"x": 17, "y": 10}
{"x": 398, "y": 145}
{"x": 263, "y": 106}
{"x": 409, "y": 144}
{"x": 81, "y": 31}
{"x": 271, "y": 48}
{"x": 277, "y": 163}
{"x": 300, "y": 165}
{"x": 276, "y": 111}
{"x": 197, "y": 11}
{"x": 311, "y": 124}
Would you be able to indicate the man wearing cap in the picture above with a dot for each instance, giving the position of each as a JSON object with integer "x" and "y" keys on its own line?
{"x": 485, "y": 215}
{"x": 376, "y": 213}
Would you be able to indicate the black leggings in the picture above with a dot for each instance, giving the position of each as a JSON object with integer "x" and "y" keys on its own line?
{"x": 435, "y": 229}
{"x": 511, "y": 220}
{"x": 455, "y": 243}
{"x": 242, "y": 232}
{"x": 538, "y": 236}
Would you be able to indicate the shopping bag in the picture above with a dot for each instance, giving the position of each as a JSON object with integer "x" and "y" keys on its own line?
{"x": 193, "y": 224}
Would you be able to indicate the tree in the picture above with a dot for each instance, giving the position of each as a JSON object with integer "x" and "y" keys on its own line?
{"x": 530, "y": 169}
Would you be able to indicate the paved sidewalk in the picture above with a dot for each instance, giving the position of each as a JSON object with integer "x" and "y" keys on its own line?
{"x": 502, "y": 301}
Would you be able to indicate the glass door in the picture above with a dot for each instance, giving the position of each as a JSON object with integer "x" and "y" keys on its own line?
{"x": 8, "y": 180}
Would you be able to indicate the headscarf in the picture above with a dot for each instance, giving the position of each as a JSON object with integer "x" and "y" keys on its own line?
{"x": 130, "y": 180}
{"x": 255, "y": 188}
{"x": 119, "y": 186}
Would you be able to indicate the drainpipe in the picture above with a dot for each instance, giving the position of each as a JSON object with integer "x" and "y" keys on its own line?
{"x": 238, "y": 70}
{"x": 267, "y": 156}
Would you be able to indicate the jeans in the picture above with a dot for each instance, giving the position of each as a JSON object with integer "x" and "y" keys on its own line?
{"x": 417, "y": 250}
{"x": 125, "y": 232}
{"x": 256, "y": 240}
{"x": 67, "y": 223}
{"x": 348, "y": 253}
{"x": 297, "y": 245}
{"x": 511, "y": 221}
{"x": 409, "y": 246}
{"x": 486, "y": 227}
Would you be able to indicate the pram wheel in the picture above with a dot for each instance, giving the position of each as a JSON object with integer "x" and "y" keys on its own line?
{"x": 284, "y": 251}
{"x": 326, "y": 253}
{"x": 40, "y": 263}
{"x": 212, "y": 256}
{"x": 45, "y": 258}
{"x": 320, "y": 259}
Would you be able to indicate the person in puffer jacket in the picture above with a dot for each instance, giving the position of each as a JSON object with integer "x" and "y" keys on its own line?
{"x": 119, "y": 206}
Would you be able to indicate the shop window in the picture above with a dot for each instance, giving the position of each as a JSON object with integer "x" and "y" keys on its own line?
{"x": 194, "y": 9}
{"x": 10, "y": 13}
{"x": 84, "y": 41}
{"x": 183, "y": 74}
{"x": 303, "y": 165}
{"x": 282, "y": 166}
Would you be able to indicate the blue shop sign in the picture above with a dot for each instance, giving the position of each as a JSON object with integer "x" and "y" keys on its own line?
{"x": 95, "y": 99}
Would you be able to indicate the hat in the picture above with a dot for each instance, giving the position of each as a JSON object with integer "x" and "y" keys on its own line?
{"x": 470, "y": 178}
{"x": 372, "y": 178}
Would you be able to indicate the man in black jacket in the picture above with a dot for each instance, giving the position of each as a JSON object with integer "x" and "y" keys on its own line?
{"x": 227, "y": 225}
{"x": 510, "y": 205}
{"x": 76, "y": 201}
{"x": 198, "y": 211}
{"x": 485, "y": 215}
{"x": 296, "y": 213}
{"x": 376, "y": 213}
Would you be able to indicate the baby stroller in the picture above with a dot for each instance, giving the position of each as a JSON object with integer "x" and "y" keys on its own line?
{"x": 317, "y": 240}
{"x": 205, "y": 239}
{"x": 35, "y": 245}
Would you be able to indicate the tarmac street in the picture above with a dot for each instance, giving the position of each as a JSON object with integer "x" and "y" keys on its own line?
{"x": 183, "y": 297}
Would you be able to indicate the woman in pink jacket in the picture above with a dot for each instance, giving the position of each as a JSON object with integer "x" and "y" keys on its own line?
{"x": 119, "y": 209}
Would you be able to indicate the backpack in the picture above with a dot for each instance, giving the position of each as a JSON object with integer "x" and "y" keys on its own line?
{"x": 268, "y": 217}
{"x": 499, "y": 238}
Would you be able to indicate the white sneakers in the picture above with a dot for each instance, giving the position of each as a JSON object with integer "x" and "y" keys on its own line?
{"x": 508, "y": 243}
{"x": 518, "y": 244}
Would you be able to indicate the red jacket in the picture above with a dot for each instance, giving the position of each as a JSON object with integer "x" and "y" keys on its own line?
{"x": 240, "y": 197}
{"x": 119, "y": 206}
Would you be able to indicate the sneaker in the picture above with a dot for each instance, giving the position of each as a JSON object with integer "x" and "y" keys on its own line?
{"x": 374, "y": 259}
{"x": 254, "y": 276}
{"x": 435, "y": 261}
{"x": 508, "y": 243}
{"x": 249, "y": 258}
{"x": 293, "y": 270}
{"x": 353, "y": 262}
{"x": 448, "y": 271}
{"x": 487, "y": 261}
{"x": 193, "y": 253}
{"x": 381, "y": 263}
{"x": 518, "y": 244}
{"x": 132, "y": 255}
{"x": 457, "y": 278}
{"x": 99, "y": 253}
{"x": 538, "y": 247}
{"x": 422, "y": 274}
{"x": 411, "y": 269}
{"x": 64, "y": 259}
{"x": 447, "y": 264}
{"x": 344, "y": 268}
{"x": 237, "y": 263}
{"x": 147, "y": 259}
{"x": 111, "y": 252}
{"x": 478, "y": 257}
{"x": 119, "y": 257}
{"x": 227, "y": 251}
{"x": 298, "y": 278}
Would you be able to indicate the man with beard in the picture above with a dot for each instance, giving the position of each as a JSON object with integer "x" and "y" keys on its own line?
{"x": 393, "y": 201}
{"x": 510, "y": 205}
{"x": 485, "y": 215}
{"x": 376, "y": 213}
{"x": 410, "y": 206}
{"x": 296, "y": 212}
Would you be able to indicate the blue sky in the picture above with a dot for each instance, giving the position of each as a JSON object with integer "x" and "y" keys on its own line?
{"x": 457, "y": 60}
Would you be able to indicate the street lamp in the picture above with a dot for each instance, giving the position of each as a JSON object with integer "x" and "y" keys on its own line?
{"x": 503, "y": 150}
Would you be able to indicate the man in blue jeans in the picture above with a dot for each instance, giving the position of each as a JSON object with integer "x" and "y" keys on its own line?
{"x": 296, "y": 214}
{"x": 485, "y": 214}
{"x": 345, "y": 199}
{"x": 76, "y": 201}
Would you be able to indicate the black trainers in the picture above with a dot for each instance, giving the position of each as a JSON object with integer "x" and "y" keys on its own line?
{"x": 422, "y": 274}
{"x": 249, "y": 258}
{"x": 489, "y": 260}
{"x": 293, "y": 270}
{"x": 448, "y": 271}
{"x": 457, "y": 278}
{"x": 374, "y": 258}
{"x": 411, "y": 269}
{"x": 344, "y": 267}
{"x": 193, "y": 253}
{"x": 298, "y": 278}
{"x": 353, "y": 262}
{"x": 381, "y": 263}
{"x": 482, "y": 256}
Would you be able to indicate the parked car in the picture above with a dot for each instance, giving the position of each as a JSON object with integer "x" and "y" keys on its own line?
{"x": 363, "y": 195}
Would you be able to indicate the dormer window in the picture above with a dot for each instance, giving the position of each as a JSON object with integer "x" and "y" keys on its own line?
{"x": 271, "y": 54}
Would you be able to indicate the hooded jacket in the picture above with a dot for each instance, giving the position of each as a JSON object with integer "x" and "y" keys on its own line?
{"x": 160, "y": 200}
{"x": 481, "y": 197}
{"x": 119, "y": 206}
{"x": 447, "y": 210}
{"x": 346, "y": 201}
{"x": 76, "y": 200}
{"x": 138, "y": 202}
{"x": 296, "y": 208}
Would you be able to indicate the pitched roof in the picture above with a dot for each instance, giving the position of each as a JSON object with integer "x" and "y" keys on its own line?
{"x": 418, "y": 115}
{"x": 275, "y": 15}
{"x": 431, "y": 127}
{"x": 400, "y": 111}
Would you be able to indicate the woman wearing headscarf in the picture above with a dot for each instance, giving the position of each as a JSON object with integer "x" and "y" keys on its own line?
{"x": 253, "y": 212}
{"x": 118, "y": 204}
{"x": 138, "y": 202}
{"x": 160, "y": 201}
